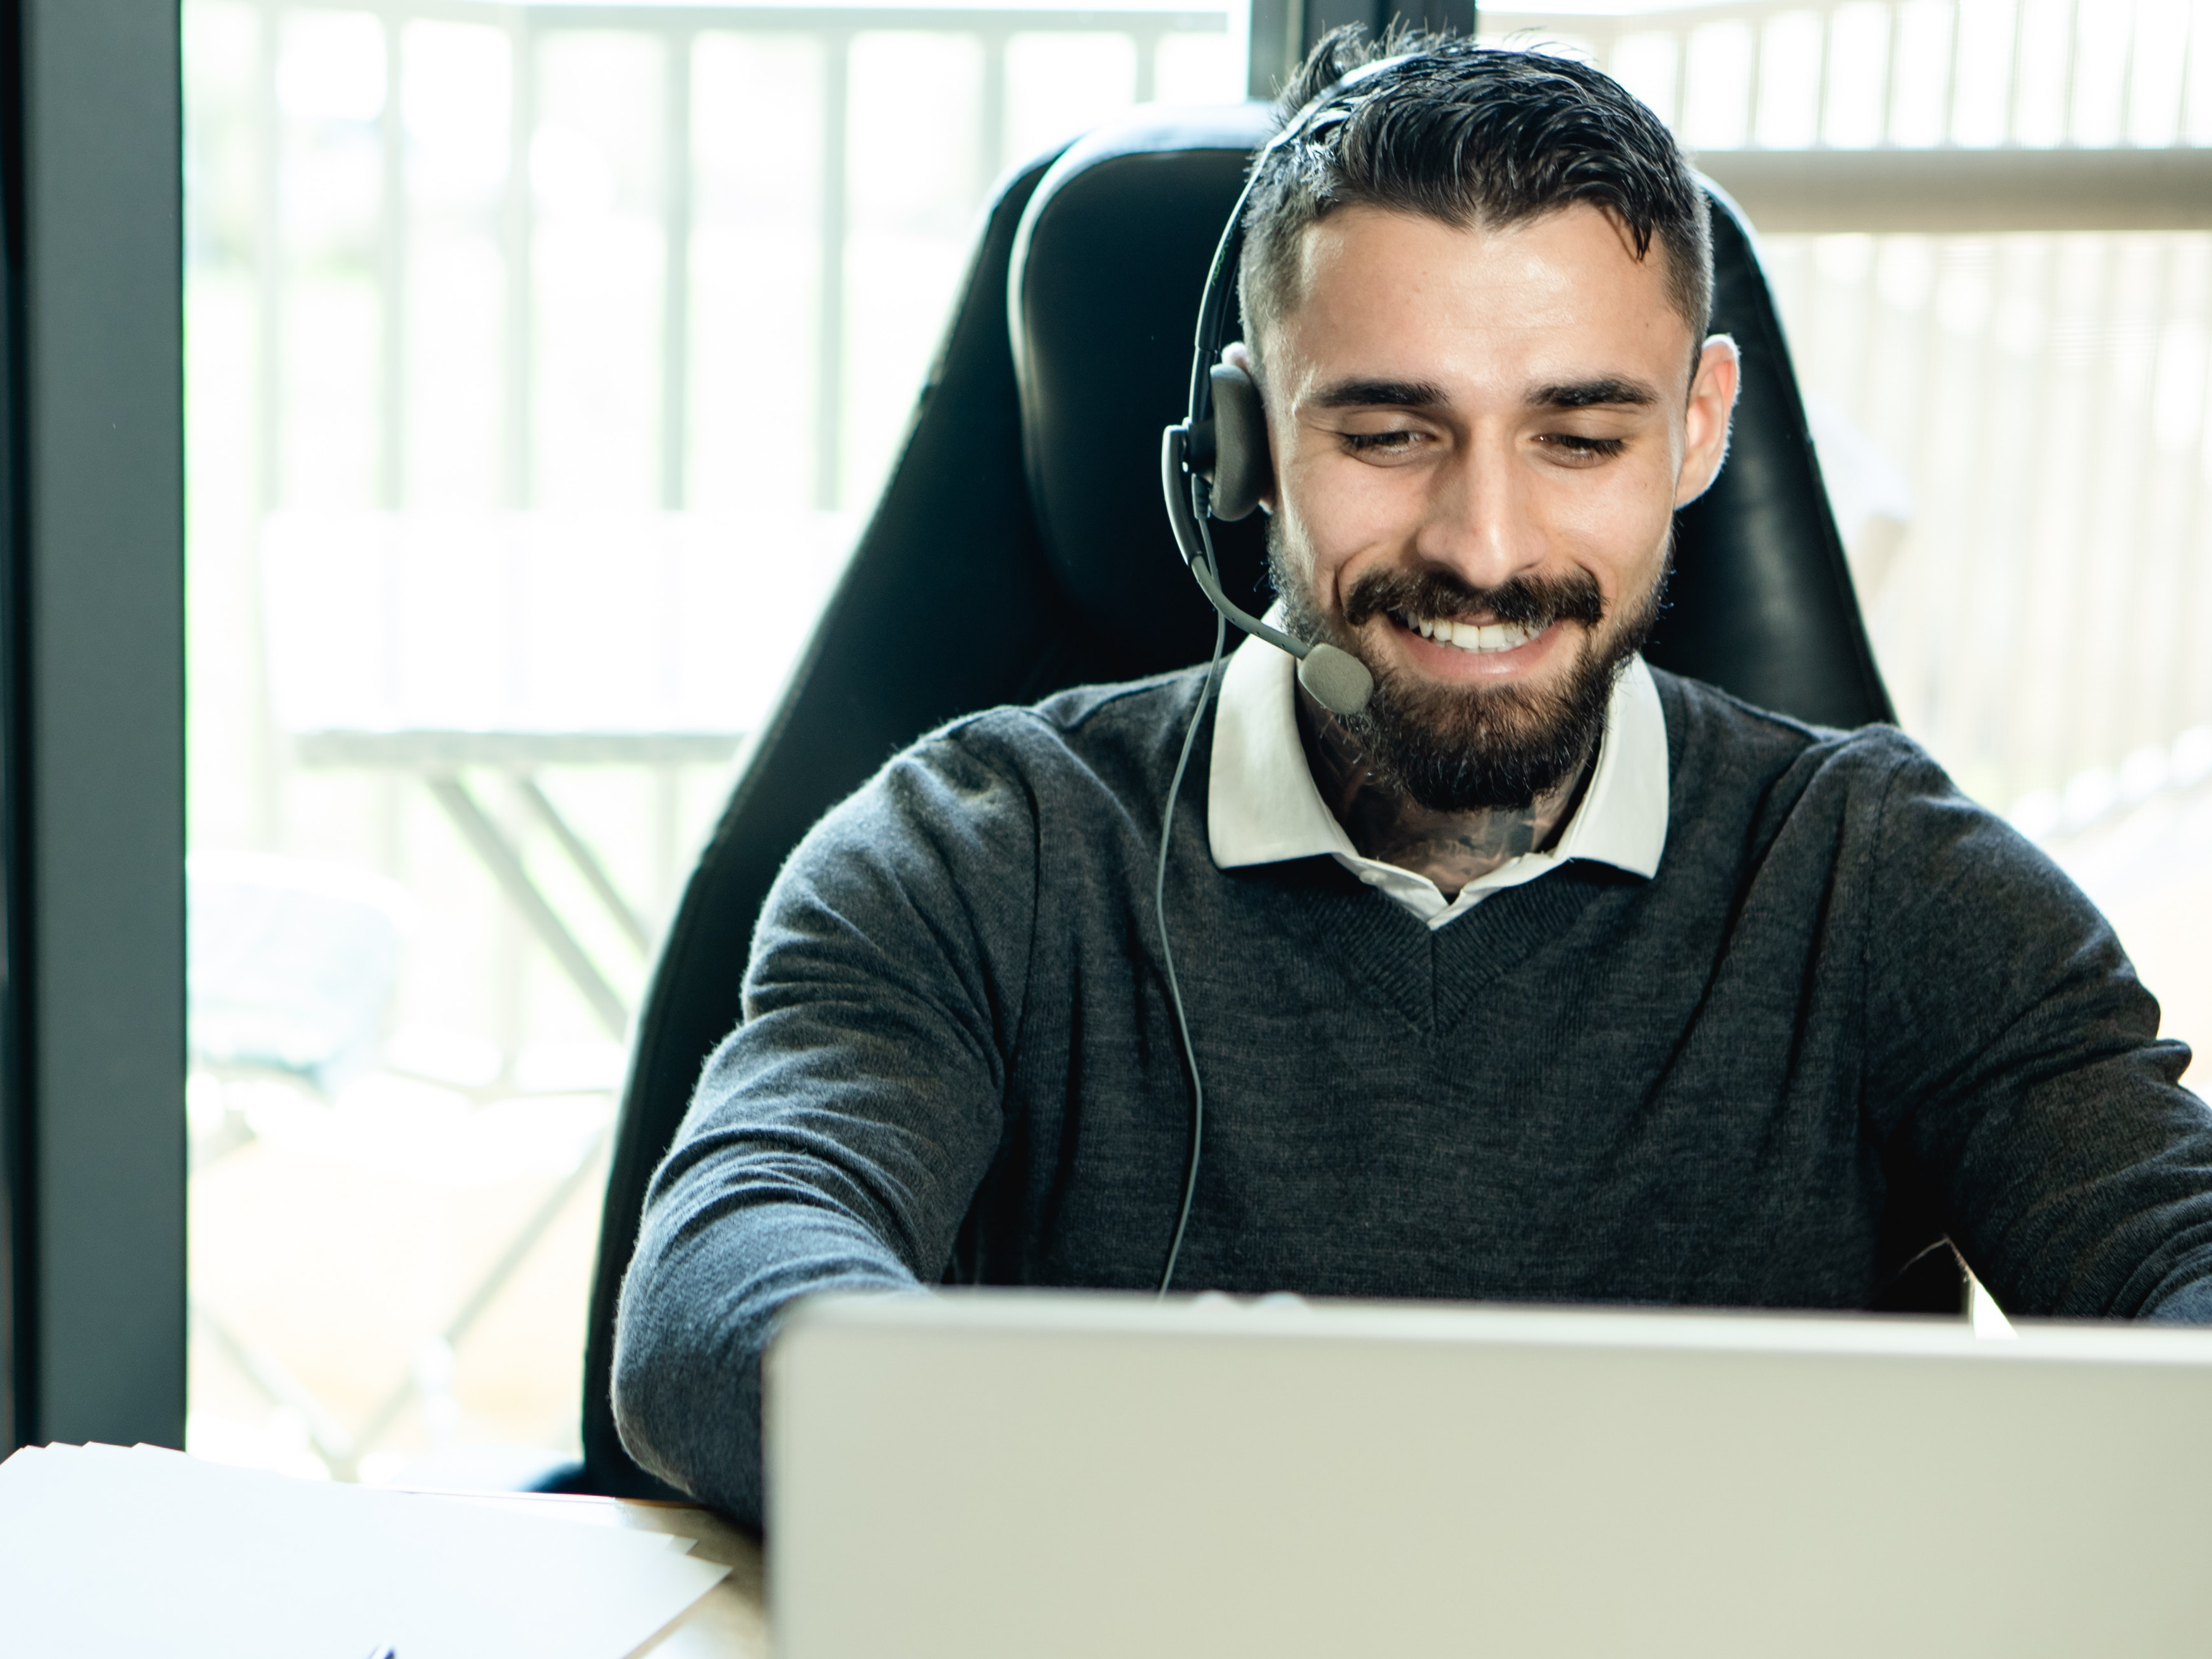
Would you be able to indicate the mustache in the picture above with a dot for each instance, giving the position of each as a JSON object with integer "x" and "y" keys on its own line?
{"x": 1534, "y": 602}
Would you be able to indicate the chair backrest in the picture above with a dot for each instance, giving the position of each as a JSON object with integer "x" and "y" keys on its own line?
{"x": 1023, "y": 522}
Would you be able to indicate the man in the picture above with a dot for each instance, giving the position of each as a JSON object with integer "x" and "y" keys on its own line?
{"x": 1547, "y": 976}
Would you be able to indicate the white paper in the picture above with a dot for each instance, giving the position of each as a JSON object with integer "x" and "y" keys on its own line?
{"x": 105, "y": 1553}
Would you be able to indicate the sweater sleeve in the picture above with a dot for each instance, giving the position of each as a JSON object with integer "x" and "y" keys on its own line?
{"x": 838, "y": 1136}
{"x": 2013, "y": 1050}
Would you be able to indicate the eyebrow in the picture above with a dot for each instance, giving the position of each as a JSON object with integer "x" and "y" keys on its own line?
{"x": 1391, "y": 394}
{"x": 1604, "y": 392}
{"x": 1591, "y": 394}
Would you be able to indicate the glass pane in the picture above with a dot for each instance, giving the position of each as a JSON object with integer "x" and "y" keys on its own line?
{"x": 538, "y": 375}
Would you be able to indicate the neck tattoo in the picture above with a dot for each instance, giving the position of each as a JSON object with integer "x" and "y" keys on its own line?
{"x": 1451, "y": 849}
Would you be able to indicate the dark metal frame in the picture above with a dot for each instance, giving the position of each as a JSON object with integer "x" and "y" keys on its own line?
{"x": 91, "y": 781}
{"x": 1283, "y": 30}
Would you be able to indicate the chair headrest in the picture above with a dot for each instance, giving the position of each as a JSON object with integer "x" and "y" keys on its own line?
{"x": 1102, "y": 305}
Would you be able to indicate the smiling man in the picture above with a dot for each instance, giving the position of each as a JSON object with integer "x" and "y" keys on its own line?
{"x": 1545, "y": 976}
{"x": 1483, "y": 417}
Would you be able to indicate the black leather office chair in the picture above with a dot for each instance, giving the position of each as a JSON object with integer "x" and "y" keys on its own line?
{"x": 1020, "y": 547}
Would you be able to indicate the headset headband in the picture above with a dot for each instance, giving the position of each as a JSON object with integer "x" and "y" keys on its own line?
{"x": 1229, "y": 254}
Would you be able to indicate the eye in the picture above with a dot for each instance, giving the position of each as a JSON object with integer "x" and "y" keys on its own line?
{"x": 1402, "y": 442}
{"x": 1578, "y": 449}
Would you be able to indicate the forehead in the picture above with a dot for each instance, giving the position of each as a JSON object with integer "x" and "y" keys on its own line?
{"x": 1557, "y": 296}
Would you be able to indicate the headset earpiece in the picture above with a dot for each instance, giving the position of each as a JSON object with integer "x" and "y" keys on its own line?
{"x": 1243, "y": 469}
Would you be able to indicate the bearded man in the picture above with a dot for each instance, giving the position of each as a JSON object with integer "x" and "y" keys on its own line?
{"x": 1547, "y": 976}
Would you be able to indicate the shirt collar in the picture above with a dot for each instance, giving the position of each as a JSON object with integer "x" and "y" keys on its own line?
{"x": 1263, "y": 806}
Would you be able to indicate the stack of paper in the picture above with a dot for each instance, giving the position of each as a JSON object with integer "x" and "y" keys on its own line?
{"x": 105, "y": 1551}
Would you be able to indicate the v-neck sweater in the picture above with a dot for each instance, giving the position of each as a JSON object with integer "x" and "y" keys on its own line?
{"x": 1852, "y": 1011}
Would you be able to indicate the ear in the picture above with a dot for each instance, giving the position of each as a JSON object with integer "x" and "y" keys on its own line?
{"x": 1243, "y": 468}
{"x": 1705, "y": 422}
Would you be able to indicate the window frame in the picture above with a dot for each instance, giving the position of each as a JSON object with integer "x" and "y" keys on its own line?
{"x": 91, "y": 739}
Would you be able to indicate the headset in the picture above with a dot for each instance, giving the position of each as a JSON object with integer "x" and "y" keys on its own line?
{"x": 1214, "y": 465}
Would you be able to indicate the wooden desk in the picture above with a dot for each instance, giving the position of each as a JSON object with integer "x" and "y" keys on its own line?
{"x": 729, "y": 1622}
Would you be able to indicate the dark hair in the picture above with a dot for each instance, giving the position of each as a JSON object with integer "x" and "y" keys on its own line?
{"x": 1472, "y": 136}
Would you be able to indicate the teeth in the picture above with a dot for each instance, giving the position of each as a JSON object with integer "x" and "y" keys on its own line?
{"x": 1476, "y": 636}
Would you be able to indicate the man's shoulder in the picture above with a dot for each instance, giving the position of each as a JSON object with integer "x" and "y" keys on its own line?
{"x": 973, "y": 796}
{"x": 1711, "y": 730}
{"x": 1091, "y": 729}
{"x": 1738, "y": 769}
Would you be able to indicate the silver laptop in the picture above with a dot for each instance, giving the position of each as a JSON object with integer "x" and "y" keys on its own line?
{"x": 995, "y": 1475}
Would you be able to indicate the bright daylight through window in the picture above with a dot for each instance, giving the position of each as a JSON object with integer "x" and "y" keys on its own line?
{"x": 527, "y": 435}
{"x": 541, "y": 366}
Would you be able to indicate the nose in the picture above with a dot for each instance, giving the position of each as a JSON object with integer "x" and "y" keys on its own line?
{"x": 1479, "y": 522}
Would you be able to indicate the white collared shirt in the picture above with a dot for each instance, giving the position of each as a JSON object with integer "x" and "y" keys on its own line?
{"x": 1264, "y": 806}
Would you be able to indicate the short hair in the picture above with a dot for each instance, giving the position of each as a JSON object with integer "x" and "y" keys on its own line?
{"x": 1469, "y": 135}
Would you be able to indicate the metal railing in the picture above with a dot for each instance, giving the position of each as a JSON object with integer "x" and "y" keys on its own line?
{"x": 678, "y": 30}
{"x": 1930, "y": 116}
{"x": 1859, "y": 74}
{"x": 250, "y": 146}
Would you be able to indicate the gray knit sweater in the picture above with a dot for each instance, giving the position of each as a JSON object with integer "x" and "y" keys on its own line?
{"x": 1852, "y": 1011}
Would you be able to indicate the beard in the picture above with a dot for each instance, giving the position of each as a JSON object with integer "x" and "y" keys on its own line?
{"x": 1469, "y": 748}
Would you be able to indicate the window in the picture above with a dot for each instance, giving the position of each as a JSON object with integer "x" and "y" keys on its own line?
{"x": 539, "y": 368}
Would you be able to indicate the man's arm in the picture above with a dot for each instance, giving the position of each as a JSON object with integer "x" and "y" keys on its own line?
{"x": 2013, "y": 1050}
{"x": 839, "y": 1134}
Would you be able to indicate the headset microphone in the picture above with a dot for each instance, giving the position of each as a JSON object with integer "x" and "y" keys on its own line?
{"x": 1339, "y": 681}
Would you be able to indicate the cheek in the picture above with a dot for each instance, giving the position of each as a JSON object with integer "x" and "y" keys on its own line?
{"x": 1617, "y": 525}
{"x": 1303, "y": 549}
{"x": 1317, "y": 518}
{"x": 1334, "y": 508}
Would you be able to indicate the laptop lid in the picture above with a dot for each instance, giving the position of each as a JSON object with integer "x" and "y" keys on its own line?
{"x": 1017, "y": 1474}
